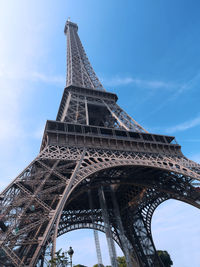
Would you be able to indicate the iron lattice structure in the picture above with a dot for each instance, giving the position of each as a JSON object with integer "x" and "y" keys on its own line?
{"x": 97, "y": 168}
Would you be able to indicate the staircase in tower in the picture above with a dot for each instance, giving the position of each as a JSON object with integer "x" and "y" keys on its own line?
{"x": 98, "y": 169}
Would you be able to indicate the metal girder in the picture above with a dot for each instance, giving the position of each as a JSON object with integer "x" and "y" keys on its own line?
{"x": 45, "y": 176}
{"x": 95, "y": 232}
{"x": 81, "y": 110}
{"x": 107, "y": 224}
{"x": 81, "y": 74}
{"x": 130, "y": 259}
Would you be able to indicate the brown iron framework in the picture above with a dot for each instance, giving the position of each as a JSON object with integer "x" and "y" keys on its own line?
{"x": 93, "y": 144}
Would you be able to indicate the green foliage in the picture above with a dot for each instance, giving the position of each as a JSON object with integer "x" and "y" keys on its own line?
{"x": 121, "y": 261}
{"x": 79, "y": 265}
{"x": 165, "y": 258}
{"x": 60, "y": 260}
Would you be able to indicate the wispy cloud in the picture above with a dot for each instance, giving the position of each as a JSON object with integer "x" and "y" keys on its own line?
{"x": 179, "y": 90}
{"x": 22, "y": 52}
{"x": 10, "y": 72}
{"x": 184, "y": 126}
{"x": 120, "y": 81}
{"x": 188, "y": 85}
{"x": 52, "y": 79}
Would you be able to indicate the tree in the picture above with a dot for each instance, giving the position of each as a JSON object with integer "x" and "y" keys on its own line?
{"x": 79, "y": 265}
{"x": 60, "y": 260}
{"x": 165, "y": 258}
{"x": 98, "y": 265}
{"x": 121, "y": 261}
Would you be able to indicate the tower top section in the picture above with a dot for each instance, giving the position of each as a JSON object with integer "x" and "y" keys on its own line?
{"x": 69, "y": 24}
{"x": 79, "y": 70}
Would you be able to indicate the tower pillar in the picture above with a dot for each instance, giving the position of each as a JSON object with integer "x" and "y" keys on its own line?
{"x": 105, "y": 215}
{"x": 131, "y": 260}
{"x": 95, "y": 232}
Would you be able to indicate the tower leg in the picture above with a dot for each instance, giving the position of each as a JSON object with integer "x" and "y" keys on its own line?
{"x": 142, "y": 241}
{"x": 130, "y": 261}
{"x": 105, "y": 215}
{"x": 53, "y": 251}
{"x": 96, "y": 236}
{"x": 98, "y": 248}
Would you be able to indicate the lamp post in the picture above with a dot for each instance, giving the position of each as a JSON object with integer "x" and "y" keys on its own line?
{"x": 70, "y": 252}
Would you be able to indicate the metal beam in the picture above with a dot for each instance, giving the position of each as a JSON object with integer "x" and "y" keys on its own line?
{"x": 105, "y": 215}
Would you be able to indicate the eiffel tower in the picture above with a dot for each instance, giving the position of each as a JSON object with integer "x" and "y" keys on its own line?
{"x": 97, "y": 168}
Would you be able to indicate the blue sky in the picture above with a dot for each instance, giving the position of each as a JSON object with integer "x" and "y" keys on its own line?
{"x": 146, "y": 51}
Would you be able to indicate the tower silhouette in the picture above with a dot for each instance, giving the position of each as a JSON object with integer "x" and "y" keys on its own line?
{"x": 98, "y": 169}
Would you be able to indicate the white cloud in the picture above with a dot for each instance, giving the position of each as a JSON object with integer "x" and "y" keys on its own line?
{"x": 184, "y": 126}
{"x": 189, "y": 84}
{"x": 119, "y": 81}
{"x": 52, "y": 79}
{"x": 20, "y": 52}
{"x": 10, "y": 72}
{"x": 178, "y": 90}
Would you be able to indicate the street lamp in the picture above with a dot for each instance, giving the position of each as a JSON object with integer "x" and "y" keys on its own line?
{"x": 70, "y": 252}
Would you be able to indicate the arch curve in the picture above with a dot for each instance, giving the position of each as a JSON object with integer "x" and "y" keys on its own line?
{"x": 87, "y": 225}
